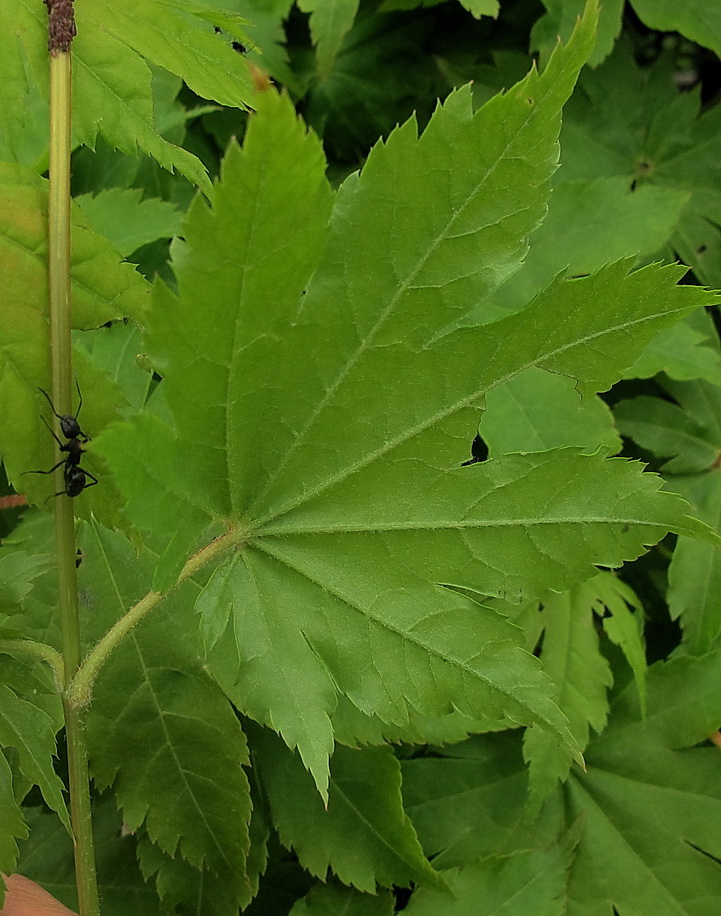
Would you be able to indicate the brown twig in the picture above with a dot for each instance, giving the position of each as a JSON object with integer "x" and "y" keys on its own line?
{"x": 12, "y": 501}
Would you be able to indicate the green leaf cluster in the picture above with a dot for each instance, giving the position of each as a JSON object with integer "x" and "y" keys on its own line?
{"x": 373, "y": 451}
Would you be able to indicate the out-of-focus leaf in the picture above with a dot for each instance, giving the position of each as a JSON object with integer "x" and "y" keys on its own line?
{"x": 698, "y": 20}
{"x": 633, "y": 122}
{"x": 648, "y": 805}
{"x": 27, "y": 141}
{"x": 682, "y": 352}
{"x": 332, "y": 898}
{"x": 17, "y": 571}
{"x": 47, "y": 857}
{"x": 650, "y": 800}
{"x": 527, "y": 882}
{"x": 467, "y": 801}
{"x": 689, "y": 433}
{"x": 560, "y": 19}
{"x": 381, "y": 75}
{"x": 127, "y": 221}
{"x": 329, "y": 23}
{"x": 102, "y": 289}
{"x": 12, "y": 824}
{"x": 666, "y": 430}
{"x": 591, "y": 223}
{"x": 477, "y": 8}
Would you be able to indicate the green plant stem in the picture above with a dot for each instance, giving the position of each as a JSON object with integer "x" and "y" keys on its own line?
{"x": 61, "y": 371}
{"x": 79, "y": 690}
{"x": 80, "y": 811}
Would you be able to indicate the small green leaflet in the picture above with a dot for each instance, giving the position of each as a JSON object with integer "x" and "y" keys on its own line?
{"x": 30, "y": 731}
{"x": 12, "y": 824}
{"x": 571, "y": 656}
{"x": 329, "y": 23}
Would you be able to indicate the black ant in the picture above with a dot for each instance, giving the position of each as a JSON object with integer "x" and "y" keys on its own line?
{"x": 75, "y": 477}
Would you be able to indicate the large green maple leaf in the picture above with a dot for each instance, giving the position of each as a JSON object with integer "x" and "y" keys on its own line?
{"x": 650, "y": 800}
{"x": 324, "y": 399}
{"x": 648, "y": 806}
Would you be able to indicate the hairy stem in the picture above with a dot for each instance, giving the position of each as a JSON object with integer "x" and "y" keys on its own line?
{"x": 80, "y": 688}
{"x": 61, "y": 27}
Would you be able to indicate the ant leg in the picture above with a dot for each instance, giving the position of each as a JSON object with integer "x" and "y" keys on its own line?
{"x": 54, "y": 435}
{"x": 84, "y": 437}
{"x": 53, "y": 468}
{"x": 92, "y": 477}
{"x": 80, "y": 399}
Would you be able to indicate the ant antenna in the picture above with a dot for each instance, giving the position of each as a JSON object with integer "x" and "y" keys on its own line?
{"x": 68, "y": 424}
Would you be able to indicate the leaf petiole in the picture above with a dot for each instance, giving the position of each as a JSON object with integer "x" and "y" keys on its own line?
{"x": 79, "y": 690}
{"x": 37, "y": 650}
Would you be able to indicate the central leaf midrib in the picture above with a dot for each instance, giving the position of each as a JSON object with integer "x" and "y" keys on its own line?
{"x": 381, "y": 526}
{"x": 234, "y": 365}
